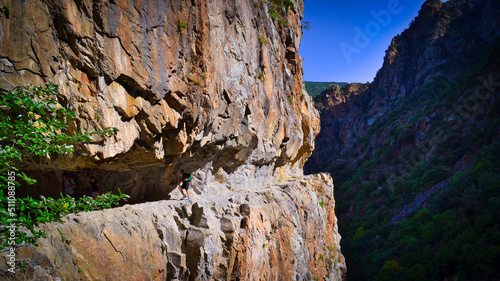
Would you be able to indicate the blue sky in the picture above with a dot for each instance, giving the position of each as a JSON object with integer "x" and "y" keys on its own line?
{"x": 348, "y": 39}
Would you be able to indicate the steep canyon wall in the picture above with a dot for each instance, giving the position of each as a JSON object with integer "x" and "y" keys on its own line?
{"x": 287, "y": 231}
{"x": 211, "y": 87}
{"x": 412, "y": 145}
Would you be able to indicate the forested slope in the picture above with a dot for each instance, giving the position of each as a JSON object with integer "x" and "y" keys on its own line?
{"x": 416, "y": 155}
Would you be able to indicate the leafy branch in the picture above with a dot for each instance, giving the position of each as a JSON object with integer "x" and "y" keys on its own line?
{"x": 33, "y": 124}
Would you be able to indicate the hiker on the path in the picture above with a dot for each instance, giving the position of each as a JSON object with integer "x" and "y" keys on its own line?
{"x": 185, "y": 179}
{"x": 96, "y": 188}
{"x": 69, "y": 185}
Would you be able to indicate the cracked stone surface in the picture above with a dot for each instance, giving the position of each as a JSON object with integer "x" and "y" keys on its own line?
{"x": 211, "y": 87}
{"x": 290, "y": 233}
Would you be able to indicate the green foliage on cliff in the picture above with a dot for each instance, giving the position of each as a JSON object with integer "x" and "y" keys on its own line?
{"x": 278, "y": 9}
{"x": 306, "y": 25}
{"x": 457, "y": 234}
{"x": 182, "y": 25}
{"x": 33, "y": 125}
{"x": 287, "y": 4}
{"x": 4, "y": 11}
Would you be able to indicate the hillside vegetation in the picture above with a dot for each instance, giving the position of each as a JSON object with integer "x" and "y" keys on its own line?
{"x": 416, "y": 157}
{"x": 316, "y": 88}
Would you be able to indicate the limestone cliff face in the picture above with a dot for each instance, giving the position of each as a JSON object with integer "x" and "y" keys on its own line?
{"x": 287, "y": 231}
{"x": 211, "y": 87}
{"x": 214, "y": 87}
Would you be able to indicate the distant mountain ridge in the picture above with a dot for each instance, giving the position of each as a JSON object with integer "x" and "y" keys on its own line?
{"x": 316, "y": 88}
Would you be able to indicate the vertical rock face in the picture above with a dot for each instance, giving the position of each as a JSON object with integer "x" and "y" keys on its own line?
{"x": 211, "y": 87}
{"x": 287, "y": 231}
{"x": 337, "y": 111}
{"x": 214, "y": 87}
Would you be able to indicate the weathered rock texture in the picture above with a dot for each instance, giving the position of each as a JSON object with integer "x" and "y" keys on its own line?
{"x": 209, "y": 86}
{"x": 282, "y": 232}
{"x": 212, "y": 87}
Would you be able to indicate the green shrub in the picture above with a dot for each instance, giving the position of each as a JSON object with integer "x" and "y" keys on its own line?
{"x": 435, "y": 175}
{"x": 182, "y": 25}
{"x": 273, "y": 14}
{"x": 368, "y": 187}
{"x": 262, "y": 40}
{"x": 306, "y": 25}
{"x": 32, "y": 124}
{"x": 262, "y": 77}
{"x": 283, "y": 4}
{"x": 5, "y": 11}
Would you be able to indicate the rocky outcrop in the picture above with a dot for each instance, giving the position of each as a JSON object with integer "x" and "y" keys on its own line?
{"x": 282, "y": 232}
{"x": 335, "y": 106}
{"x": 211, "y": 87}
{"x": 214, "y": 87}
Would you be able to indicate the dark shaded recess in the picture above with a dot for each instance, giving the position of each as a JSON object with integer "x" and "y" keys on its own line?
{"x": 230, "y": 13}
{"x": 134, "y": 89}
{"x": 290, "y": 55}
{"x": 266, "y": 106}
{"x": 146, "y": 144}
{"x": 407, "y": 137}
{"x": 198, "y": 157}
{"x": 280, "y": 161}
{"x": 192, "y": 246}
{"x": 62, "y": 24}
{"x": 150, "y": 178}
{"x": 226, "y": 97}
{"x": 97, "y": 16}
{"x": 197, "y": 215}
{"x": 228, "y": 160}
{"x": 82, "y": 6}
{"x": 244, "y": 121}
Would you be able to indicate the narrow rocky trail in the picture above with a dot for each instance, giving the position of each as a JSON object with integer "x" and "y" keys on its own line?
{"x": 276, "y": 232}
